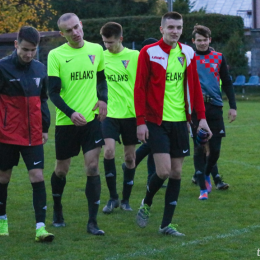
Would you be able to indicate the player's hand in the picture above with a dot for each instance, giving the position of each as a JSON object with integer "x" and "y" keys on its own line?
{"x": 44, "y": 138}
{"x": 232, "y": 114}
{"x": 142, "y": 133}
{"x": 188, "y": 127}
{"x": 102, "y": 109}
{"x": 78, "y": 119}
{"x": 203, "y": 124}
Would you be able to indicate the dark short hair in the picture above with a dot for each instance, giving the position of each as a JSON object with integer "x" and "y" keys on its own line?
{"x": 171, "y": 15}
{"x": 111, "y": 29}
{"x": 149, "y": 41}
{"x": 202, "y": 30}
{"x": 29, "y": 34}
{"x": 65, "y": 17}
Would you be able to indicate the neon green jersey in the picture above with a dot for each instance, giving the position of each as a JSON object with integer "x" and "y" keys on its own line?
{"x": 120, "y": 71}
{"x": 77, "y": 69}
{"x": 174, "y": 104}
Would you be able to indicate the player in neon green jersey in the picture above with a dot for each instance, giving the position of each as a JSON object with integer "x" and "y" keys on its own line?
{"x": 77, "y": 87}
{"x": 120, "y": 71}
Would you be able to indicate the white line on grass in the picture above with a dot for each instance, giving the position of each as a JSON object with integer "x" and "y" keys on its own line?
{"x": 233, "y": 125}
{"x": 153, "y": 251}
{"x": 241, "y": 163}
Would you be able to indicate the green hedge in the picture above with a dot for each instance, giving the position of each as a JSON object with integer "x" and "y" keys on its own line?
{"x": 138, "y": 28}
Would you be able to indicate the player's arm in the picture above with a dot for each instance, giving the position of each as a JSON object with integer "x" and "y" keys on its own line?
{"x": 142, "y": 75}
{"x": 54, "y": 88}
{"x": 101, "y": 86}
{"x": 46, "y": 118}
{"x": 228, "y": 88}
{"x": 1, "y": 81}
{"x": 198, "y": 100}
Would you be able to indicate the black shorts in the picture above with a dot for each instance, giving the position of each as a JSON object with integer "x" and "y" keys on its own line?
{"x": 126, "y": 127}
{"x": 169, "y": 137}
{"x": 69, "y": 139}
{"x": 33, "y": 156}
{"x": 214, "y": 117}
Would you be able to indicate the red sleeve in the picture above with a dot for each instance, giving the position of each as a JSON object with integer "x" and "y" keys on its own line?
{"x": 142, "y": 77}
{"x": 197, "y": 94}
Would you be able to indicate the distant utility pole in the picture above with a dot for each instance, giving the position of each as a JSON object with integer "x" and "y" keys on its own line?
{"x": 169, "y": 4}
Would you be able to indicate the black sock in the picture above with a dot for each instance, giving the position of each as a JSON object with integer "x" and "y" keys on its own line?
{"x": 3, "y": 198}
{"x": 128, "y": 183}
{"x": 154, "y": 185}
{"x": 57, "y": 185}
{"x": 39, "y": 201}
{"x": 171, "y": 198}
{"x": 201, "y": 180}
{"x": 93, "y": 190}
{"x": 110, "y": 173}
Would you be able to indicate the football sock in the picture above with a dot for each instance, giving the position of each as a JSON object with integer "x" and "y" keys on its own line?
{"x": 93, "y": 190}
{"x": 110, "y": 173}
{"x": 57, "y": 185}
{"x": 150, "y": 166}
{"x": 3, "y": 198}
{"x": 128, "y": 183}
{"x": 201, "y": 180}
{"x": 39, "y": 225}
{"x": 154, "y": 185}
{"x": 171, "y": 197}
{"x": 39, "y": 201}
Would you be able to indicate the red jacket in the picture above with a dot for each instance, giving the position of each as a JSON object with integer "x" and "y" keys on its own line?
{"x": 24, "y": 113}
{"x": 150, "y": 83}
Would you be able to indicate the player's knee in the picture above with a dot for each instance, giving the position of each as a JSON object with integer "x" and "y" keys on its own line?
{"x": 109, "y": 153}
{"x": 92, "y": 169}
{"x": 4, "y": 177}
{"x": 130, "y": 161}
{"x": 163, "y": 175}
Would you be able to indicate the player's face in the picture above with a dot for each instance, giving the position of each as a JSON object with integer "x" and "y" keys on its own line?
{"x": 25, "y": 51}
{"x": 201, "y": 42}
{"x": 171, "y": 31}
{"x": 113, "y": 44}
{"x": 72, "y": 31}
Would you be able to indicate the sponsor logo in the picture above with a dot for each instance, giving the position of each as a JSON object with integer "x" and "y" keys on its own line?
{"x": 98, "y": 141}
{"x": 222, "y": 132}
{"x": 79, "y": 75}
{"x": 130, "y": 183}
{"x": 181, "y": 60}
{"x": 173, "y": 203}
{"x": 125, "y": 63}
{"x": 117, "y": 78}
{"x": 97, "y": 202}
{"x": 185, "y": 151}
{"x": 92, "y": 58}
{"x": 68, "y": 60}
{"x": 35, "y": 163}
{"x": 14, "y": 80}
{"x": 45, "y": 207}
{"x": 158, "y": 58}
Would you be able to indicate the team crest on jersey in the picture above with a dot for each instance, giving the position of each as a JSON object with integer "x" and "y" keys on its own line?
{"x": 37, "y": 81}
{"x": 92, "y": 58}
{"x": 125, "y": 63}
{"x": 181, "y": 60}
{"x": 214, "y": 66}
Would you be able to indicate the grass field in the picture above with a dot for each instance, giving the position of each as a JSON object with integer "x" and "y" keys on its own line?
{"x": 227, "y": 226}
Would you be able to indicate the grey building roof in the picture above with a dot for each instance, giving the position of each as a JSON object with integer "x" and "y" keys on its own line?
{"x": 230, "y": 7}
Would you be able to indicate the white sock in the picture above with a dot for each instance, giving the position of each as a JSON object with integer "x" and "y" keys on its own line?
{"x": 39, "y": 225}
{"x": 3, "y": 217}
